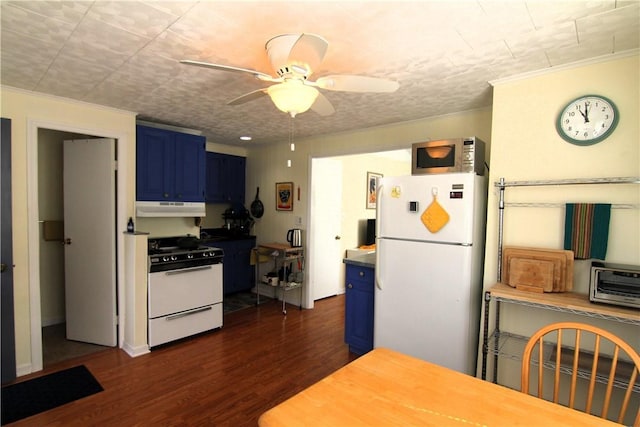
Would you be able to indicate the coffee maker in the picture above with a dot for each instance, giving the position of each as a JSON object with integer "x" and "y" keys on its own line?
{"x": 237, "y": 220}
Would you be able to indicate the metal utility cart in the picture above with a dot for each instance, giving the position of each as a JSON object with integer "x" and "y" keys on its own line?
{"x": 288, "y": 264}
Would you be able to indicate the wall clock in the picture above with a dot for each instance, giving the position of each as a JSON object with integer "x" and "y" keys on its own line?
{"x": 587, "y": 120}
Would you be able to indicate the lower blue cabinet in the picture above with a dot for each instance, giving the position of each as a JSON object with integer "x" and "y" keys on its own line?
{"x": 359, "y": 290}
{"x": 238, "y": 273}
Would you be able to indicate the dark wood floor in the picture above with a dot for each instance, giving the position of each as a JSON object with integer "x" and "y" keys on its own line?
{"x": 226, "y": 377}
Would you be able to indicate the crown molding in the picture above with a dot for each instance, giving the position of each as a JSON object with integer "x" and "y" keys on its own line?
{"x": 564, "y": 67}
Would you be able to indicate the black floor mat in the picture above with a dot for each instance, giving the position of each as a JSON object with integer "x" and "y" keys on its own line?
{"x": 40, "y": 394}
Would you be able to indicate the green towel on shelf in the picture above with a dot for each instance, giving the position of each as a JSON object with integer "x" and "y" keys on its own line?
{"x": 586, "y": 229}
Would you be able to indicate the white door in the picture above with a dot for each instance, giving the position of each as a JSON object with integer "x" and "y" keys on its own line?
{"x": 90, "y": 253}
{"x": 326, "y": 208}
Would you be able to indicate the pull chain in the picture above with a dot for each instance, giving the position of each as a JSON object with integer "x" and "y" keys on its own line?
{"x": 292, "y": 145}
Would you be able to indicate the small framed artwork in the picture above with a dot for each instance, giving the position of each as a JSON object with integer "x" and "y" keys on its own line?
{"x": 284, "y": 196}
{"x": 372, "y": 188}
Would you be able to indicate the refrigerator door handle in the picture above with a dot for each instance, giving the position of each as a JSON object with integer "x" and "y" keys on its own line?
{"x": 379, "y": 197}
{"x": 377, "y": 269}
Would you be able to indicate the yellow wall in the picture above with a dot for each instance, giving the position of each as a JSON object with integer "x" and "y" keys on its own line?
{"x": 526, "y": 146}
{"x": 25, "y": 108}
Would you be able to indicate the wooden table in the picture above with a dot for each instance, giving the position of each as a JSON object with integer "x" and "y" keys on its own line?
{"x": 386, "y": 388}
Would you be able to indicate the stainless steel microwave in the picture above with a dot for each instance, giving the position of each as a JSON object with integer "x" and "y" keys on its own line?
{"x": 448, "y": 156}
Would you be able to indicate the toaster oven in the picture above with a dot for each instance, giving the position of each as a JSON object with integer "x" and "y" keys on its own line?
{"x": 615, "y": 284}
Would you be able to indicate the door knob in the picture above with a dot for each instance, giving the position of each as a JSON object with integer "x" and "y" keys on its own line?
{"x": 66, "y": 241}
{"x": 349, "y": 286}
{"x": 337, "y": 237}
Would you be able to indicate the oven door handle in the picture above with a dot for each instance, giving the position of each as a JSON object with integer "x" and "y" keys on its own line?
{"x": 187, "y": 270}
{"x": 188, "y": 313}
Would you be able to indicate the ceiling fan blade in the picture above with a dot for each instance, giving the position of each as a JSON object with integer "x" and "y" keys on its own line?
{"x": 257, "y": 74}
{"x": 349, "y": 83}
{"x": 258, "y": 93}
{"x": 309, "y": 49}
{"x": 322, "y": 106}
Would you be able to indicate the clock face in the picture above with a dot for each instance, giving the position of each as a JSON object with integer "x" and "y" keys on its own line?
{"x": 587, "y": 120}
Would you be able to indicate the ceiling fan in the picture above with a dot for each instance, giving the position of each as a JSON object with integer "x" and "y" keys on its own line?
{"x": 294, "y": 57}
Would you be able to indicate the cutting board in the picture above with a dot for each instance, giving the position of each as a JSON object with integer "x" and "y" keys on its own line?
{"x": 538, "y": 269}
{"x": 532, "y": 274}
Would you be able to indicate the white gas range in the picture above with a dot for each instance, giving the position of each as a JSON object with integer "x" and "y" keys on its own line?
{"x": 185, "y": 290}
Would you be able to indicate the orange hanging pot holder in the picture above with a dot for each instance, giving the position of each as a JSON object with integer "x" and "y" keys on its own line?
{"x": 434, "y": 217}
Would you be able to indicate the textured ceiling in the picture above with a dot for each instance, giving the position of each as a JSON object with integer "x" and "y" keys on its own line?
{"x": 124, "y": 54}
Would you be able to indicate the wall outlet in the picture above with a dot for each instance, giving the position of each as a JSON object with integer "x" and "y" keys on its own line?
{"x": 298, "y": 220}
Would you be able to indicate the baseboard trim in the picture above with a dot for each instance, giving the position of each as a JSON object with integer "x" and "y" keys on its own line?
{"x": 135, "y": 351}
{"x": 24, "y": 369}
{"x": 50, "y": 321}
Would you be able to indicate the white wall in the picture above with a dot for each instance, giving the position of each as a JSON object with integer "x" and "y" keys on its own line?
{"x": 526, "y": 146}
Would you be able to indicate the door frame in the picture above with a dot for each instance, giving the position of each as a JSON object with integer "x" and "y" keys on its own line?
{"x": 8, "y": 345}
{"x": 33, "y": 227}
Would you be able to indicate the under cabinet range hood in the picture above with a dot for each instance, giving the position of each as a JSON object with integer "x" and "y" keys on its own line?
{"x": 170, "y": 209}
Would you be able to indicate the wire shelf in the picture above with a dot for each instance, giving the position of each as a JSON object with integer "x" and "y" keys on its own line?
{"x": 580, "y": 312}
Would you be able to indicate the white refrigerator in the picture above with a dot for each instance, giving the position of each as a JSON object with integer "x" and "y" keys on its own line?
{"x": 430, "y": 241}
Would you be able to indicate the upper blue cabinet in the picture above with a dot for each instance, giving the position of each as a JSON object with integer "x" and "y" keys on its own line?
{"x": 170, "y": 166}
{"x": 225, "y": 178}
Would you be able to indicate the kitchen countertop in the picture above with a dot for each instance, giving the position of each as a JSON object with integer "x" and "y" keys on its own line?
{"x": 366, "y": 260}
{"x": 208, "y": 235}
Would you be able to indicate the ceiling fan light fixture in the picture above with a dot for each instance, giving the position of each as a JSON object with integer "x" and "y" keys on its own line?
{"x": 293, "y": 96}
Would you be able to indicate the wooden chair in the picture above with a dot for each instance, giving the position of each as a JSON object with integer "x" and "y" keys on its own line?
{"x": 558, "y": 341}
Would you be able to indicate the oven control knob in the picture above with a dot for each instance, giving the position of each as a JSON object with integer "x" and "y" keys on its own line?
{"x": 205, "y": 254}
{"x": 174, "y": 258}
{"x": 189, "y": 256}
{"x": 165, "y": 258}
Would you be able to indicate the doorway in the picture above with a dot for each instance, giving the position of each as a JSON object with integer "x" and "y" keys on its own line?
{"x": 348, "y": 211}
{"x": 53, "y": 192}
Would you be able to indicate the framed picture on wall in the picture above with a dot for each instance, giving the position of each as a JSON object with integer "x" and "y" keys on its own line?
{"x": 372, "y": 187}
{"x": 284, "y": 196}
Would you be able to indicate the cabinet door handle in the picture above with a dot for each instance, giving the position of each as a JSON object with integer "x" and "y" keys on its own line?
{"x": 361, "y": 274}
{"x": 349, "y": 286}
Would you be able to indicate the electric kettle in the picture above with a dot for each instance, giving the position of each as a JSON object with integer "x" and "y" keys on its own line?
{"x": 294, "y": 237}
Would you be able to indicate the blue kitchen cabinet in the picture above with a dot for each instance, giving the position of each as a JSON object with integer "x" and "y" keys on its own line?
{"x": 359, "y": 290}
{"x": 170, "y": 166}
{"x": 238, "y": 273}
{"x": 225, "y": 178}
